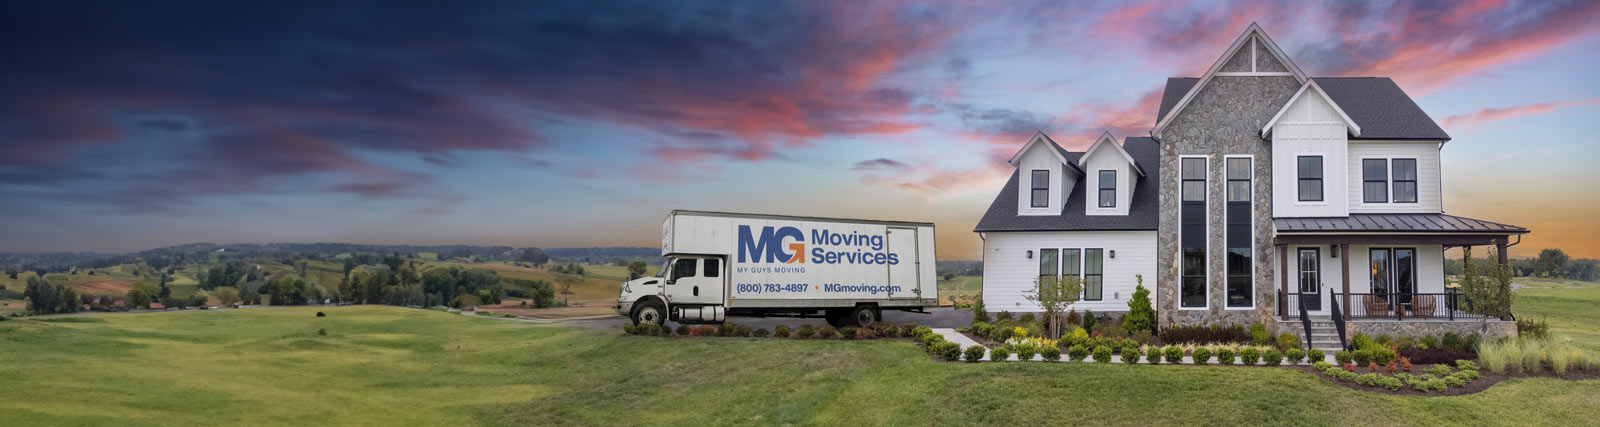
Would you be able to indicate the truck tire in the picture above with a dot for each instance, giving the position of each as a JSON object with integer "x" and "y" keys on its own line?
{"x": 864, "y": 315}
{"x": 649, "y": 311}
{"x": 837, "y": 317}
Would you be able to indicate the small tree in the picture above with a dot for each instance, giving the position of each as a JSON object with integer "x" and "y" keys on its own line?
{"x": 565, "y": 283}
{"x": 1054, "y": 294}
{"x": 1141, "y": 314}
{"x": 636, "y": 269}
{"x": 142, "y": 294}
{"x": 227, "y": 297}
{"x": 978, "y": 313}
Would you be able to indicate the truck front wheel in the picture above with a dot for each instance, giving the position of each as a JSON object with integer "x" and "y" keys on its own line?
{"x": 865, "y": 315}
{"x": 649, "y": 311}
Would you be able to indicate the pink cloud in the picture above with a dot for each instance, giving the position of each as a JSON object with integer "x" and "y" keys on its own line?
{"x": 1492, "y": 114}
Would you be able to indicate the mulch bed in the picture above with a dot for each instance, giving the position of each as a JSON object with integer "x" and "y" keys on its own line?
{"x": 1485, "y": 380}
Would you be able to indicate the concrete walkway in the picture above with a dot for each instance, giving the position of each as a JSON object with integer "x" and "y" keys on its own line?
{"x": 959, "y": 338}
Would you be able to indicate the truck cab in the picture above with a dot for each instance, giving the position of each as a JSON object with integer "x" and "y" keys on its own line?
{"x": 689, "y": 289}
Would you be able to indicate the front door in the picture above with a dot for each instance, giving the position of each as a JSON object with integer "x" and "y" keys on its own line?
{"x": 1311, "y": 278}
{"x": 695, "y": 280}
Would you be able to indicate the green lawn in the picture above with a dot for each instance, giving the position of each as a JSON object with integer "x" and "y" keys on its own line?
{"x": 1571, "y": 307}
{"x": 960, "y": 286}
{"x": 391, "y": 366}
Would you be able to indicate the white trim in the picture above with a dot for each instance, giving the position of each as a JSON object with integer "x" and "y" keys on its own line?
{"x": 1238, "y": 43}
{"x": 1355, "y": 129}
{"x": 1039, "y": 137}
{"x": 1107, "y": 139}
{"x": 1253, "y": 56}
{"x": 1254, "y": 74}
{"x": 1207, "y": 210}
{"x": 1083, "y": 261}
{"x": 1254, "y": 266}
{"x": 1325, "y": 201}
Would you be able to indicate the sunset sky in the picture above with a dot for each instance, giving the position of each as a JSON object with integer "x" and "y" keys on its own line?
{"x": 133, "y": 125}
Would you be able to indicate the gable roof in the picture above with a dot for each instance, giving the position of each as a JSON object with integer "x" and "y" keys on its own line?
{"x": 1062, "y": 155}
{"x": 1375, "y": 103}
{"x": 1383, "y": 110}
{"x": 1312, "y": 87}
{"x": 1002, "y": 213}
{"x": 1106, "y": 140}
{"x": 1253, "y": 37}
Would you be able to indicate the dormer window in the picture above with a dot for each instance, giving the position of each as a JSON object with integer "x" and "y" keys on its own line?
{"x": 1108, "y": 188}
{"x": 1041, "y": 188}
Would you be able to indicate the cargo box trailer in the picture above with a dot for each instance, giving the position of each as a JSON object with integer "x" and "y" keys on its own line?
{"x": 732, "y": 264}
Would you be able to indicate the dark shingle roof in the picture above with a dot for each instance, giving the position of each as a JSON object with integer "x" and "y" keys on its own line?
{"x": 1002, "y": 214}
{"x": 1439, "y": 223}
{"x": 1381, "y": 108}
{"x": 1376, "y": 104}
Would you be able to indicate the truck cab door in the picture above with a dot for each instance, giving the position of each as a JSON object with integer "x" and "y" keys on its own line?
{"x": 696, "y": 280}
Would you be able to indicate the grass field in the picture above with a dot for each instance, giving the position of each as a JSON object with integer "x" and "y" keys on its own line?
{"x": 388, "y": 366}
{"x": 961, "y": 286}
{"x": 590, "y": 290}
{"x": 1571, "y": 307}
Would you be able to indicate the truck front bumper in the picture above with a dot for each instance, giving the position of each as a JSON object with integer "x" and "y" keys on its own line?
{"x": 625, "y": 308}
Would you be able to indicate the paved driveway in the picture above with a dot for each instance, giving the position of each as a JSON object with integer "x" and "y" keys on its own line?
{"x": 942, "y": 317}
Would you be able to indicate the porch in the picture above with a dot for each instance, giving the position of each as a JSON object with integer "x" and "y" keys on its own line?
{"x": 1383, "y": 271}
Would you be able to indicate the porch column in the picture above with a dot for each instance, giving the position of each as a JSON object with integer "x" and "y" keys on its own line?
{"x": 1344, "y": 275}
{"x": 1283, "y": 263}
{"x": 1500, "y": 247}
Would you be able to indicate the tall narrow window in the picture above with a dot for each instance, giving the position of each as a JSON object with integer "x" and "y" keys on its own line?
{"x": 1381, "y": 264}
{"x": 1192, "y": 230}
{"x": 1310, "y": 171}
{"x": 1375, "y": 180}
{"x": 1041, "y": 188}
{"x": 1049, "y": 265}
{"x": 1311, "y": 278}
{"x": 1108, "y": 189}
{"x": 1093, "y": 278}
{"x": 1405, "y": 274}
{"x": 1405, "y": 180}
{"x": 1071, "y": 262}
{"x": 1241, "y": 280}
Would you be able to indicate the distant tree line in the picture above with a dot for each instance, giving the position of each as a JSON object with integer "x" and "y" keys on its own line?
{"x": 1551, "y": 263}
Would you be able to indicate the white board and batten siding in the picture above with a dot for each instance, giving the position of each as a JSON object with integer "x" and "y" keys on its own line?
{"x": 1008, "y": 272}
{"x": 1310, "y": 127}
{"x": 1429, "y": 199}
{"x": 1039, "y": 157}
{"x": 1107, "y": 159}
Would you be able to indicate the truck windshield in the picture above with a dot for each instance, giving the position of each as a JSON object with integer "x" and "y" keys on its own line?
{"x": 664, "y": 265}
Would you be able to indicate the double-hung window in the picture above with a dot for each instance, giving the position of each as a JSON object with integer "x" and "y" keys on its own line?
{"x": 1108, "y": 188}
{"x": 1375, "y": 180}
{"x": 1240, "y": 234}
{"x": 1041, "y": 188}
{"x": 1310, "y": 173}
{"x": 1093, "y": 277}
{"x": 1087, "y": 265}
{"x": 1192, "y": 232}
{"x": 1405, "y": 180}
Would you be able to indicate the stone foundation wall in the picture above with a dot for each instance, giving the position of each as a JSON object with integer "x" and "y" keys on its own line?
{"x": 1404, "y": 328}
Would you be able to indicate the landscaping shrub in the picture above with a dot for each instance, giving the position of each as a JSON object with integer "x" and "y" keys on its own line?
{"x": 999, "y": 354}
{"x": 683, "y": 330}
{"x": 1439, "y": 370}
{"x": 725, "y": 329}
{"x": 826, "y": 332}
{"x": 1225, "y": 356}
{"x": 1454, "y": 381}
{"x": 782, "y": 331}
{"x": 1317, "y": 356}
{"x": 1000, "y": 334}
{"x": 1383, "y": 356}
{"x": 1362, "y": 342}
{"x": 910, "y": 329}
{"x": 1452, "y": 341}
{"x": 1369, "y": 380}
{"x": 920, "y": 331}
{"x": 866, "y": 333}
{"x": 1259, "y": 334}
{"x": 1004, "y": 315}
{"x": 1363, "y": 357}
{"x": 1559, "y": 355}
{"x": 704, "y": 331}
{"x": 1496, "y": 356}
{"x": 1428, "y": 341}
{"x": 1077, "y": 353}
{"x": 1130, "y": 347}
{"x": 1102, "y": 354}
{"x": 1202, "y": 355}
{"x": 947, "y": 350}
{"x": 1250, "y": 355}
{"x": 1345, "y": 376}
{"x": 1152, "y": 355}
{"x": 1205, "y": 334}
{"x": 805, "y": 331}
{"x": 848, "y": 332}
{"x": 972, "y": 354}
{"x": 1530, "y": 328}
{"x": 1288, "y": 341}
{"x": 1321, "y": 366}
{"x": 1173, "y": 354}
{"x": 1390, "y": 383}
{"x": 1294, "y": 356}
{"x": 931, "y": 340}
{"x": 1385, "y": 340}
{"x": 1088, "y": 320}
{"x": 1026, "y": 318}
{"x": 1272, "y": 356}
{"x": 1025, "y": 352}
{"x": 1141, "y": 316}
{"x": 1468, "y": 375}
{"x": 1050, "y": 353}
{"x": 762, "y": 333}
{"x": 1532, "y": 350}
{"x": 630, "y": 330}
{"x": 1343, "y": 356}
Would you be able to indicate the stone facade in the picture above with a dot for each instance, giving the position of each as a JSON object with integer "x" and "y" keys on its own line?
{"x": 1224, "y": 118}
{"x": 1265, "y": 62}
{"x": 1415, "y": 328}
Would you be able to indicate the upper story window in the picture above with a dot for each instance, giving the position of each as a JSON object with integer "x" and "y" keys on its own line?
{"x": 1194, "y": 179}
{"x": 1041, "y": 188}
{"x": 1239, "y": 179}
{"x": 1375, "y": 180}
{"x": 1310, "y": 170}
{"x": 1108, "y": 188}
{"x": 1405, "y": 180}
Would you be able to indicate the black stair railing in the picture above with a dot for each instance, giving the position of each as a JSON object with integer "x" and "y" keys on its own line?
{"x": 1338, "y": 317}
{"x": 1305, "y": 320}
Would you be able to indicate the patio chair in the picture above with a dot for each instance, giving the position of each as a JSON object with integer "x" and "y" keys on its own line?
{"x": 1422, "y": 306}
{"x": 1376, "y": 307}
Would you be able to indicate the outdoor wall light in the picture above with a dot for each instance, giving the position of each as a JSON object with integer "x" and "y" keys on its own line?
{"x": 1333, "y": 249}
{"x": 1113, "y": 254}
{"x": 1030, "y": 254}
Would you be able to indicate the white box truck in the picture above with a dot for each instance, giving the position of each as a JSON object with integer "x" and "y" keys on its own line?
{"x": 732, "y": 264}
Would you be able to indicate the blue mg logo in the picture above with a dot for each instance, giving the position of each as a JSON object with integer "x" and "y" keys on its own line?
{"x": 770, "y": 245}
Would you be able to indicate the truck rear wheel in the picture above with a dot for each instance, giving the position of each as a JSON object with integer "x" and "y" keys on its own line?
{"x": 649, "y": 311}
{"x": 837, "y": 317}
{"x": 864, "y": 315}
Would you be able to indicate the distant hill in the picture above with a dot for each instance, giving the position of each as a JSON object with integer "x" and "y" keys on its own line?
{"x": 202, "y": 252}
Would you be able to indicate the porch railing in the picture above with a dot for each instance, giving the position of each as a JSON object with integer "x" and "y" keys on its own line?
{"x": 1382, "y": 305}
{"x": 1337, "y": 315}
